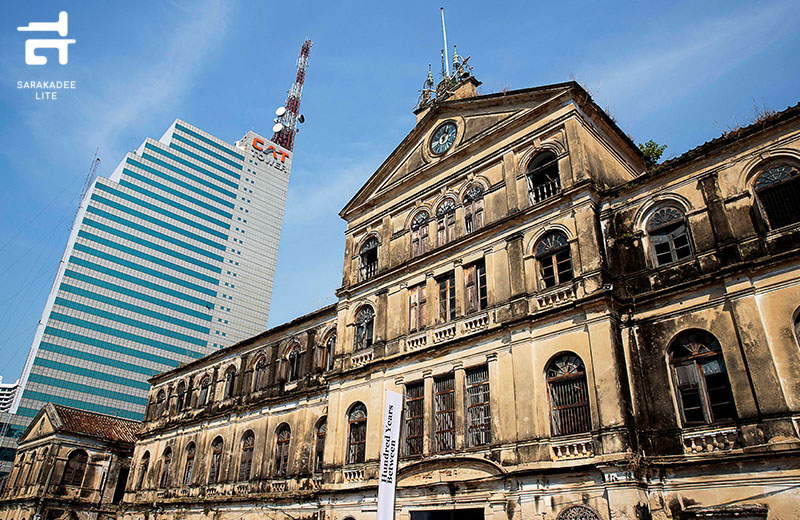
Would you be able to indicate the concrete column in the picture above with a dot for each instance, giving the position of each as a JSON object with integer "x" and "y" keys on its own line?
{"x": 516, "y": 268}
{"x": 510, "y": 176}
{"x": 430, "y": 297}
{"x": 427, "y": 439}
{"x": 460, "y": 399}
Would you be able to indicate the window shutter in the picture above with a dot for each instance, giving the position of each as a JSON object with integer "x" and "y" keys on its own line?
{"x": 451, "y": 226}
{"x": 318, "y": 357}
{"x": 423, "y": 239}
{"x": 413, "y": 310}
{"x": 687, "y": 375}
{"x": 478, "y": 214}
{"x": 471, "y": 289}
{"x": 441, "y": 237}
{"x": 282, "y": 370}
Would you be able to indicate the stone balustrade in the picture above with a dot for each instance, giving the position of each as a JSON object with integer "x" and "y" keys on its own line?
{"x": 573, "y": 449}
{"x": 705, "y": 441}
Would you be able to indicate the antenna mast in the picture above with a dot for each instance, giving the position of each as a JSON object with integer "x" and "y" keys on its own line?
{"x": 285, "y": 136}
{"x": 444, "y": 33}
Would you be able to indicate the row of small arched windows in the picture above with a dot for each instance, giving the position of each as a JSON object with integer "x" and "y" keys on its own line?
{"x": 74, "y": 470}
{"x": 356, "y": 442}
{"x": 290, "y": 366}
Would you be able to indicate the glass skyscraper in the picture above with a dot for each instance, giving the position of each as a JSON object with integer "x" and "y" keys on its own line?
{"x": 170, "y": 258}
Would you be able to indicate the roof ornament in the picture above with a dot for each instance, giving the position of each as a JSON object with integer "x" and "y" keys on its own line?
{"x": 426, "y": 94}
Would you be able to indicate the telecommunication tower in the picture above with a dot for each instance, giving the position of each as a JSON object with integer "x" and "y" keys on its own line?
{"x": 286, "y": 124}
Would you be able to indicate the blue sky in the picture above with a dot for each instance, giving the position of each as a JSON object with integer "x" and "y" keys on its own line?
{"x": 679, "y": 73}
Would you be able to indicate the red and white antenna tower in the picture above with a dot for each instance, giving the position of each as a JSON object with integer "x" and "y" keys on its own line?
{"x": 289, "y": 119}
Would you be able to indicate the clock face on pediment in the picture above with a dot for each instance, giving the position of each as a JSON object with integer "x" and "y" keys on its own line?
{"x": 443, "y": 138}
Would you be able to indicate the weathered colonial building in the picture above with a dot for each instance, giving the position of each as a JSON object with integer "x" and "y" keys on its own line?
{"x": 578, "y": 334}
{"x": 70, "y": 464}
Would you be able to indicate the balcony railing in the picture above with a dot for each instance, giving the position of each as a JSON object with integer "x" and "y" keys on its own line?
{"x": 711, "y": 439}
{"x": 544, "y": 191}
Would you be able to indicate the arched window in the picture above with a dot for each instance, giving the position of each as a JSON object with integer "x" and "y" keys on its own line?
{"x": 368, "y": 256}
{"x": 330, "y": 349}
{"x": 543, "y": 178}
{"x": 188, "y": 469}
{"x": 473, "y": 209}
{"x": 419, "y": 234}
{"x": 778, "y": 193}
{"x": 293, "y": 360}
{"x": 166, "y": 462}
{"x": 144, "y": 466}
{"x": 701, "y": 381}
{"x": 260, "y": 375}
{"x": 554, "y": 260}
{"x": 577, "y": 512}
{"x": 246, "y": 461}
{"x": 230, "y": 382}
{"x": 161, "y": 399}
{"x": 669, "y": 238}
{"x": 357, "y": 438}
{"x": 180, "y": 400}
{"x": 365, "y": 321}
{"x": 283, "y": 435}
{"x": 215, "y": 464}
{"x": 446, "y": 222}
{"x": 75, "y": 468}
{"x": 40, "y": 477}
{"x": 205, "y": 389}
{"x": 319, "y": 445}
{"x": 797, "y": 327}
{"x": 569, "y": 395}
{"x": 29, "y": 468}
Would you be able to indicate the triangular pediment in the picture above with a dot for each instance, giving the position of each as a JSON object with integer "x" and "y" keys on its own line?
{"x": 476, "y": 118}
{"x": 45, "y": 423}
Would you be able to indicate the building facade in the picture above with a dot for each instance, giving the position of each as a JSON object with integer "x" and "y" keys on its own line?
{"x": 70, "y": 464}
{"x": 578, "y": 335}
{"x": 170, "y": 258}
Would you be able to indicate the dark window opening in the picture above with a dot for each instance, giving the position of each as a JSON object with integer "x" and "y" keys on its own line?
{"x": 569, "y": 395}
{"x": 365, "y": 321}
{"x": 446, "y": 222}
{"x": 701, "y": 380}
{"x": 444, "y": 419}
{"x": 75, "y": 468}
{"x": 778, "y": 193}
{"x": 473, "y": 209}
{"x": 216, "y": 461}
{"x": 543, "y": 178}
{"x": 357, "y": 438}
{"x": 475, "y": 291}
{"x": 554, "y": 260}
{"x": 166, "y": 462}
{"x": 369, "y": 259}
{"x": 284, "y": 435}
{"x": 446, "y": 298}
{"x": 319, "y": 449}
{"x": 668, "y": 236}
{"x": 189, "y": 468}
{"x": 415, "y": 416}
{"x": 246, "y": 461}
{"x": 479, "y": 422}
{"x": 416, "y": 308}
{"x": 419, "y": 234}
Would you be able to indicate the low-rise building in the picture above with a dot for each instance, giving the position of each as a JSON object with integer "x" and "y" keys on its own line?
{"x": 71, "y": 464}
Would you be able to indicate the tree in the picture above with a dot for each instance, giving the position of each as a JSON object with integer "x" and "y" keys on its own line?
{"x": 652, "y": 151}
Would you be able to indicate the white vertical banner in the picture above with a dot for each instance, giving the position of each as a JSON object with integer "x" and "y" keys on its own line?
{"x": 390, "y": 445}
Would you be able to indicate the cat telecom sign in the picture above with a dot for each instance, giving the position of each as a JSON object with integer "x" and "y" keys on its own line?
{"x": 387, "y": 483}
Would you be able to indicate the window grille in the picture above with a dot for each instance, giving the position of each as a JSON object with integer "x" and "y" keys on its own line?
{"x": 205, "y": 385}
{"x": 365, "y": 321}
{"x": 475, "y": 287}
{"x": 189, "y": 468}
{"x": 778, "y": 192}
{"x": 260, "y": 375}
{"x": 543, "y": 178}
{"x": 446, "y": 299}
{"x": 702, "y": 385}
{"x": 369, "y": 259}
{"x": 319, "y": 450}
{"x": 181, "y": 397}
{"x": 357, "y": 439}
{"x": 246, "y": 462}
{"x": 415, "y": 413}
{"x": 230, "y": 380}
{"x": 446, "y": 222}
{"x": 416, "y": 308}
{"x": 569, "y": 395}
{"x": 577, "y": 512}
{"x": 479, "y": 425}
{"x": 75, "y": 468}
{"x": 167, "y": 462}
{"x": 444, "y": 401}
{"x": 419, "y": 234}
{"x": 553, "y": 258}
{"x": 669, "y": 238}
{"x": 282, "y": 450}
{"x": 143, "y": 467}
{"x": 216, "y": 461}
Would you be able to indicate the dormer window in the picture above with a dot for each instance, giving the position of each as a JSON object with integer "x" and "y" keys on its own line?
{"x": 543, "y": 179}
{"x": 368, "y": 256}
{"x": 419, "y": 234}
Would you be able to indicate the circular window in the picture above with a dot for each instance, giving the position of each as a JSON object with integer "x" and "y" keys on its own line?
{"x": 443, "y": 138}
